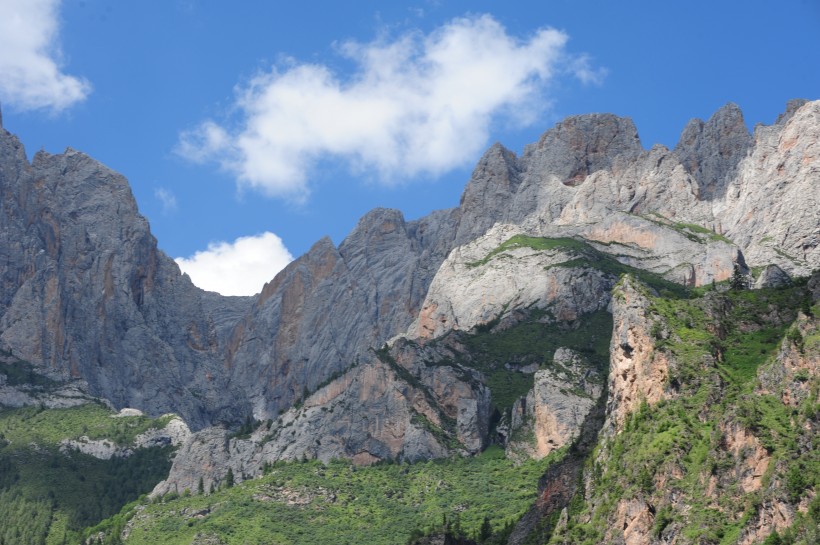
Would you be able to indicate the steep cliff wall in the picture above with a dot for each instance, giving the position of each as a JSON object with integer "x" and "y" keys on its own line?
{"x": 85, "y": 293}
{"x": 711, "y": 422}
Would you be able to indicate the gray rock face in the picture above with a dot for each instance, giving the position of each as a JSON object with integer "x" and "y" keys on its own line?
{"x": 477, "y": 284}
{"x": 327, "y": 308}
{"x": 494, "y": 181}
{"x": 772, "y": 277}
{"x": 772, "y": 206}
{"x": 395, "y": 406}
{"x": 711, "y": 151}
{"x": 85, "y": 294}
{"x": 67, "y": 395}
{"x": 552, "y": 413}
{"x": 719, "y": 177}
{"x": 582, "y": 145}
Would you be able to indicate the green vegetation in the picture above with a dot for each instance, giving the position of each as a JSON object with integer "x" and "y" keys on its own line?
{"x": 536, "y": 243}
{"x": 736, "y": 328}
{"x": 49, "y": 427}
{"x": 309, "y": 502}
{"x": 532, "y": 342}
{"x": 594, "y": 259}
{"x": 587, "y": 257}
{"x": 47, "y": 496}
{"x": 687, "y": 446}
{"x": 692, "y": 231}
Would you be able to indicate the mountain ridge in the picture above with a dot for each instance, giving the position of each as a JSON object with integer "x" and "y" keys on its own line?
{"x": 385, "y": 265}
{"x": 574, "y": 307}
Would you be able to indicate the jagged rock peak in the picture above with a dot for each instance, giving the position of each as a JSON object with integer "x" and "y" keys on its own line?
{"x": 377, "y": 223}
{"x": 726, "y": 121}
{"x": 1, "y": 115}
{"x": 583, "y": 144}
{"x": 791, "y": 108}
{"x": 494, "y": 181}
{"x": 320, "y": 249}
{"x": 495, "y": 173}
{"x": 711, "y": 150}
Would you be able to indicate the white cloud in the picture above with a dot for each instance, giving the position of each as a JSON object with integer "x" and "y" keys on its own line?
{"x": 30, "y": 75}
{"x": 238, "y": 268}
{"x": 419, "y": 104}
{"x": 167, "y": 198}
{"x": 583, "y": 70}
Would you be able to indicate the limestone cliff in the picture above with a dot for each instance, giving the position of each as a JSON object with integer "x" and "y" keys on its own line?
{"x": 392, "y": 406}
{"x": 85, "y": 293}
{"x": 553, "y": 412}
{"x": 638, "y": 373}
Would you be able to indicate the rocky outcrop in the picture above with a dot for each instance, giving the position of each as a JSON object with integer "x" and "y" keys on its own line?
{"x": 637, "y": 372}
{"x": 711, "y": 151}
{"x": 569, "y": 274}
{"x": 798, "y": 360}
{"x": 391, "y": 407}
{"x": 751, "y": 459}
{"x": 772, "y": 276}
{"x": 84, "y": 292}
{"x": 718, "y": 177}
{"x": 773, "y": 516}
{"x": 553, "y": 412}
{"x": 771, "y": 205}
{"x": 174, "y": 433}
{"x": 62, "y": 396}
{"x": 22, "y": 386}
{"x": 494, "y": 274}
{"x": 633, "y": 523}
{"x": 329, "y": 307}
{"x": 102, "y": 449}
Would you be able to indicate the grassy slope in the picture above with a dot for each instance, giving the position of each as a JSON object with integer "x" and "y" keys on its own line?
{"x": 340, "y": 503}
{"x": 45, "y": 495}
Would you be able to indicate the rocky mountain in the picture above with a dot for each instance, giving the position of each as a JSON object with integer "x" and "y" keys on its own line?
{"x": 552, "y": 303}
{"x": 87, "y": 294}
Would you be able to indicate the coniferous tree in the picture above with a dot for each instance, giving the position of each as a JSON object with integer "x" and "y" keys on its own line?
{"x": 486, "y": 530}
{"x": 738, "y": 280}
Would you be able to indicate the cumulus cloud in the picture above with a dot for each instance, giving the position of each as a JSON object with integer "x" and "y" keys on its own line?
{"x": 416, "y": 104}
{"x": 30, "y": 58}
{"x": 238, "y": 268}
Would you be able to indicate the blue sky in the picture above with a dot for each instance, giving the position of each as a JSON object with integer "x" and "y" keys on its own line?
{"x": 236, "y": 119}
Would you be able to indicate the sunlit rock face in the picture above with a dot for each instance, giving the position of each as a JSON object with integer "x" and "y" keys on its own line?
{"x": 85, "y": 293}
